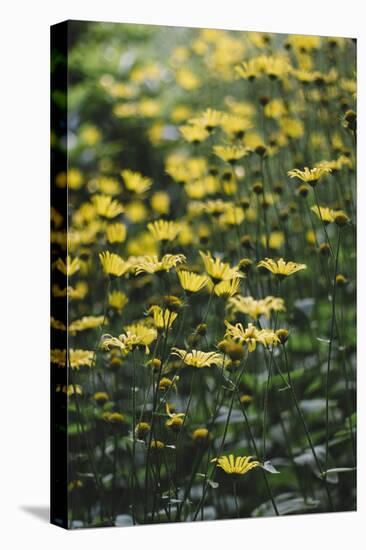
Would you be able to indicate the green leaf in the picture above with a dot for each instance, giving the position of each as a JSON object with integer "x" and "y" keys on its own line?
{"x": 268, "y": 466}
{"x": 339, "y": 470}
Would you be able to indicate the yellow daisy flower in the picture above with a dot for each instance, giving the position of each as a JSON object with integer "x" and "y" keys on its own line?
{"x": 327, "y": 215}
{"x": 218, "y": 270}
{"x": 135, "y": 182}
{"x": 208, "y": 120}
{"x": 113, "y": 264}
{"x": 280, "y": 267}
{"x": 239, "y": 465}
{"x": 175, "y": 420}
{"x": 194, "y": 134}
{"x": 134, "y": 336}
{"x": 255, "y": 308}
{"x": 107, "y": 207}
{"x": 151, "y": 264}
{"x": 117, "y": 300}
{"x": 192, "y": 282}
{"x": 163, "y": 318}
{"x": 75, "y": 359}
{"x": 198, "y": 359}
{"x": 230, "y": 153}
{"x": 116, "y": 233}
{"x": 85, "y": 323}
{"x": 68, "y": 268}
{"x": 163, "y": 230}
{"x": 227, "y": 289}
{"x": 310, "y": 175}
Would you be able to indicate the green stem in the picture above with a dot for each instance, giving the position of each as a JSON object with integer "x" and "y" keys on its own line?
{"x": 327, "y": 384}
{"x": 236, "y": 499}
{"x": 308, "y": 436}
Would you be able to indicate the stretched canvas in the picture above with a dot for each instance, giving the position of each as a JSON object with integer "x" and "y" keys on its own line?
{"x": 203, "y": 248}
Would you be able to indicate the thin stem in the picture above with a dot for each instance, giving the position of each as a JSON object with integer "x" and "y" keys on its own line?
{"x": 308, "y": 436}
{"x": 236, "y": 499}
{"x": 327, "y": 384}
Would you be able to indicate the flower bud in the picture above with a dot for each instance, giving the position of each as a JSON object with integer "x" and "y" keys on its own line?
{"x": 324, "y": 249}
{"x": 200, "y": 434}
{"x": 303, "y": 191}
{"x": 283, "y": 335}
{"x": 341, "y": 280}
{"x": 257, "y": 188}
{"x": 142, "y": 429}
{"x": 341, "y": 219}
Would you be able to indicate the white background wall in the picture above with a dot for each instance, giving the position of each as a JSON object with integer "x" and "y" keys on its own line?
{"x": 24, "y": 309}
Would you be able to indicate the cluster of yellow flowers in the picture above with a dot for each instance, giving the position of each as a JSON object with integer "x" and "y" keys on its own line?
{"x": 202, "y": 228}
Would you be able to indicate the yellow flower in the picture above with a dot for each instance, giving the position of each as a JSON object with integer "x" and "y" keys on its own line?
{"x": 85, "y": 323}
{"x": 275, "y": 108}
{"x": 134, "y": 336}
{"x": 227, "y": 289}
{"x": 232, "y": 216}
{"x": 180, "y": 113}
{"x": 310, "y": 176}
{"x": 327, "y": 215}
{"x": 76, "y": 358}
{"x": 280, "y": 267}
{"x": 107, "y": 207}
{"x": 135, "y": 182}
{"x": 163, "y": 319}
{"x": 269, "y": 338}
{"x": 235, "y": 125}
{"x": 175, "y": 420}
{"x": 249, "y": 336}
{"x": 151, "y": 264}
{"x": 255, "y": 308}
{"x": 74, "y": 293}
{"x": 108, "y": 186}
{"x": 90, "y": 135}
{"x": 74, "y": 178}
{"x": 57, "y": 325}
{"x": 218, "y": 270}
{"x": 117, "y": 300}
{"x": 292, "y": 127}
{"x": 187, "y": 79}
{"x": 192, "y": 282}
{"x": 142, "y": 429}
{"x": 166, "y": 383}
{"x": 246, "y": 398}
{"x": 194, "y": 134}
{"x": 200, "y": 434}
{"x": 276, "y": 240}
{"x": 239, "y": 465}
{"x": 143, "y": 243}
{"x": 303, "y": 42}
{"x": 68, "y": 268}
{"x": 113, "y": 264}
{"x": 198, "y": 359}
{"x": 101, "y": 397}
{"x": 113, "y": 417}
{"x": 157, "y": 445}
{"x": 136, "y": 211}
{"x": 163, "y": 230}
{"x": 209, "y": 119}
{"x": 160, "y": 202}
{"x": 230, "y": 153}
{"x": 70, "y": 390}
{"x": 264, "y": 65}
{"x": 116, "y": 233}
{"x": 215, "y": 207}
